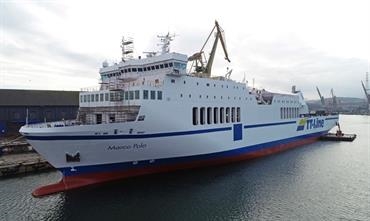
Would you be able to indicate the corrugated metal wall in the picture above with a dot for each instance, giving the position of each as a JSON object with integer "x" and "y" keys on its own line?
{"x": 13, "y": 117}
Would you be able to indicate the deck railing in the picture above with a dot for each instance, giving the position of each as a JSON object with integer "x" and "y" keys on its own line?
{"x": 63, "y": 123}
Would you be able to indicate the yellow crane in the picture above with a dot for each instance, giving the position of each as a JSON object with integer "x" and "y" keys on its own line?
{"x": 201, "y": 66}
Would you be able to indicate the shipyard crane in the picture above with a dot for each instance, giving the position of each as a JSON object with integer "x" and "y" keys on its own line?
{"x": 366, "y": 92}
{"x": 200, "y": 65}
{"x": 367, "y": 95}
{"x": 322, "y": 99}
{"x": 334, "y": 99}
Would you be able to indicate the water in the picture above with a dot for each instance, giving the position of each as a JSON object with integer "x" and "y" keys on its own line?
{"x": 321, "y": 181}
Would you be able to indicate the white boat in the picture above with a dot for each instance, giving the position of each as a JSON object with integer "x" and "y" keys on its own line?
{"x": 166, "y": 112}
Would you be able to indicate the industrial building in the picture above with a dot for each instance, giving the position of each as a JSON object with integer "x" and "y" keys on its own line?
{"x": 36, "y": 105}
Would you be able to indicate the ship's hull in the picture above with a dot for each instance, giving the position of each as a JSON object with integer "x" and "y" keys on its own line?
{"x": 107, "y": 158}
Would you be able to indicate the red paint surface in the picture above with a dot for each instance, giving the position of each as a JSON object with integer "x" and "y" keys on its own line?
{"x": 72, "y": 182}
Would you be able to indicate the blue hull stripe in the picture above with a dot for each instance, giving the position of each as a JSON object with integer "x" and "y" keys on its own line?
{"x": 128, "y": 136}
{"x": 172, "y": 161}
{"x": 141, "y": 136}
{"x": 332, "y": 118}
{"x": 167, "y": 134}
{"x": 270, "y": 124}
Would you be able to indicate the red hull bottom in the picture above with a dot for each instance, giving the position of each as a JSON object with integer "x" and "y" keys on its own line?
{"x": 73, "y": 182}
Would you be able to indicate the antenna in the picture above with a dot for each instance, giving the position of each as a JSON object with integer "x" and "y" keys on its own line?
{"x": 165, "y": 42}
{"x": 367, "y": 80}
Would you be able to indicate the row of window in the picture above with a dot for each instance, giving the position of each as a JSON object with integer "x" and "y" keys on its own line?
{"x": 214, "y": 85}
{"x": 121, "y": 95}
{"x": 177, "y": 65}
{"x": 215, "y": 115}
{"x": 289, "y": 112}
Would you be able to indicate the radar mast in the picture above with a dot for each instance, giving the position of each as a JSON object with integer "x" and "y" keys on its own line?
{"x": 127, "y": 46}
{"x": 165, "y": 42}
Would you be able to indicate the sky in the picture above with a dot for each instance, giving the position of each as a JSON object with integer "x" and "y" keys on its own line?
{"x": 60, "y": 45}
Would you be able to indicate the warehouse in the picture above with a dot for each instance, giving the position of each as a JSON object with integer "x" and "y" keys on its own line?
{"x": 41, "y": 106}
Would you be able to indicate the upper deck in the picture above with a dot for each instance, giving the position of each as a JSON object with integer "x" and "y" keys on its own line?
{"x": 154, "y": 65}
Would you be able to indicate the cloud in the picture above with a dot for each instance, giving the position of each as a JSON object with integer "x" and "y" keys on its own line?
{"x": 275, "y": 46}
{"x": 288, "y": 61}
{"x": 27, "y": 50}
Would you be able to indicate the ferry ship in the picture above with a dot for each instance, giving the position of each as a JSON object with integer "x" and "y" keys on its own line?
{"x": 166, "y": 112}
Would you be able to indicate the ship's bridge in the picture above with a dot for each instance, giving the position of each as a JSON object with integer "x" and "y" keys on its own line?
{"x": 153, "y": 65}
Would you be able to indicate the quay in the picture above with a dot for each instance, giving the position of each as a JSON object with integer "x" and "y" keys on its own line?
{"x": 24, "y": 163}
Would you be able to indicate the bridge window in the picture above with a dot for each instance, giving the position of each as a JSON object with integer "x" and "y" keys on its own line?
{"x": 238, "y": 114}
{"x": 101, "y": 97}
{"x": 227, "y": 115}
{"x": 215, "y": 115}
{"x": 159, "y": 95}
{"x": 195, "y": 116}
{"x": 134, "y": 69}
{"x": 106, "y": 97}
{"x": 281, "y": 113}
{"x": 161, "y": 65}
{"x": 233, "y": 114}
{"x": 130, "y": 95}
{"x": 152, "y": 95}
{"x": 166, "y": 65}
{"x": 146, "y": 95}
{"x": 137, "y": 95}
{"x": 157, "y": 67}
{"x": 209, "y": 115}
{"x": 96, "y": 97}
{"x": 140, "y": 70}
{"x": 222, "y": 115}
{"x": 170, "y": 64}
{"x": 202, "y": 115}
{"x": 116, "y": 96}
